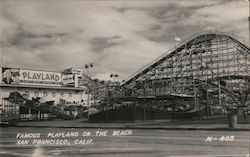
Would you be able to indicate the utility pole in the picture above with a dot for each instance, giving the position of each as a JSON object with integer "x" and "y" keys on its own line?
{"x": 249, "y": 22}
{"x": 87, "y": 66}
{"x": 113, "y": 93}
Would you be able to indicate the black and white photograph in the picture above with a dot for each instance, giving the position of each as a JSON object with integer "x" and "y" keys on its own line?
{"x": 117, "y": 78}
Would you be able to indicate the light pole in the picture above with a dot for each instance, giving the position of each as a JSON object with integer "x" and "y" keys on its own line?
{"x": 88, "y": 66}
{"x": 114, "y": 76}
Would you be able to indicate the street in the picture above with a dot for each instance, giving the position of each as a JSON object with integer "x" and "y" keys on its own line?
{"x": 121, "y": 143}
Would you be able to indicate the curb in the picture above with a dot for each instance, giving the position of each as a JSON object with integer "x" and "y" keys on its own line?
{"x": 139, "y": 128}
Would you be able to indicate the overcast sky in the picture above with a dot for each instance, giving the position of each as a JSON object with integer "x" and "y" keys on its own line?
{"x": 116, "y": 36}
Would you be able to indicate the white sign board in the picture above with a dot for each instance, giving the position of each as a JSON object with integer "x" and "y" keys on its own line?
{"x": 40, "y": 77}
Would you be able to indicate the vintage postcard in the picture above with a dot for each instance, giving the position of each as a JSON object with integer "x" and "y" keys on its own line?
{"x": 108, "y": 78}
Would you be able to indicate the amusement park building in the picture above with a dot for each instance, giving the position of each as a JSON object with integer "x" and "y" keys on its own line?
{"x": 67, "y": 88}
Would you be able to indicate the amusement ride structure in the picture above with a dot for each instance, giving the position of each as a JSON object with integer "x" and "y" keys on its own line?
{"x": 208, "y": 70}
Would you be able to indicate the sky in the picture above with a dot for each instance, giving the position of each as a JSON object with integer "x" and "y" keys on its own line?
{"x": 118, "y": 37}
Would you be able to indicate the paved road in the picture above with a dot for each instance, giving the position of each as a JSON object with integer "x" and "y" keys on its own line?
{"x": 139, "y": 143}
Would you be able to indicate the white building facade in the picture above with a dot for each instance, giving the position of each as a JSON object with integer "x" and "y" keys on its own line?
{"x": 68, "y": 87}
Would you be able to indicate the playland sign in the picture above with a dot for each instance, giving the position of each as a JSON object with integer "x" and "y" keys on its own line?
{"x": 32, "y": 76}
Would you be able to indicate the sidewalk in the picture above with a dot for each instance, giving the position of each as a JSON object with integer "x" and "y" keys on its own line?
{"x": 215, "y": 123}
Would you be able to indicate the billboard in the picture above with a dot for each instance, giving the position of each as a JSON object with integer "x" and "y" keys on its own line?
{"x": 10, "y": 76}
{"x": 68, "y": 80}
{"x": 76, "y": 71}
{"x": 31, "y": 77}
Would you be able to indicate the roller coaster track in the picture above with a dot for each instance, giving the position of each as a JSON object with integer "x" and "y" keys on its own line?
{"x": 226, "y": 91}
{"x": 172, "y": 51}
{"x": 191, "y": 49}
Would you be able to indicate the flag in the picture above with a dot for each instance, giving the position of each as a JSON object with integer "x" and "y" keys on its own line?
{"x": 177, "y": 39}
